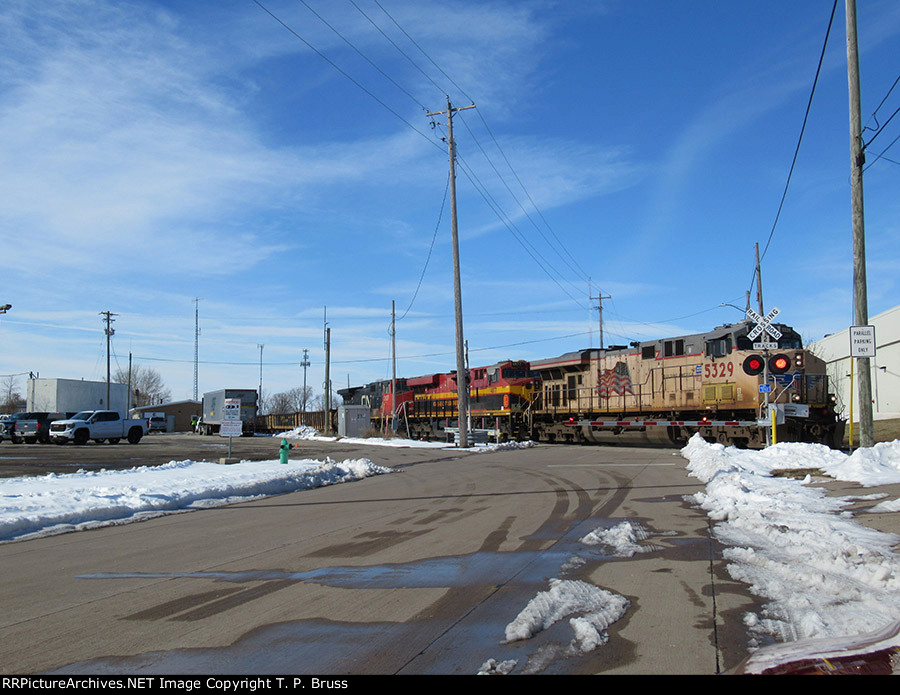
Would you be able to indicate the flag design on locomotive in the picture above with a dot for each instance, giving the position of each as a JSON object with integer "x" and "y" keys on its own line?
{"x": 615, "y": 381}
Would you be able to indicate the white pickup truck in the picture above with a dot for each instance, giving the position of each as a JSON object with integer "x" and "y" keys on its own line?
{"x": 99, "y": 425}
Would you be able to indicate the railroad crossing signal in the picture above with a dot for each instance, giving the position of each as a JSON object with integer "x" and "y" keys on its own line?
{"x": 756, "y": 364}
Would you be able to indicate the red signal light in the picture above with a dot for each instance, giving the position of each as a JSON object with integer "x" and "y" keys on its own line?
{"x": 779, "y": 364}
{"x": 754, "y": 365}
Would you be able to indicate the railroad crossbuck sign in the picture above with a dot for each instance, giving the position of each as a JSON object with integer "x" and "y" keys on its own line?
{"x": 764, "y": 325}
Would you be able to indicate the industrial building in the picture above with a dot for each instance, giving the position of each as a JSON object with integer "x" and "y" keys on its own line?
{"x": 74, "y": 395}
{"x": 179, "y": 414}
{"x": 885, "y": 369}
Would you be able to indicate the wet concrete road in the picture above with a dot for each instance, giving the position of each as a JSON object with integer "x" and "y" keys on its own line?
{"x": 415, "y": 572}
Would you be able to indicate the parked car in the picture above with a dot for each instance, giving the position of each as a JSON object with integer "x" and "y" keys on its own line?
{"x": 99, "y": 425}
{"x": 10, "y": 429}
{"x": 36, "y": 427}
{"x": 156, "y": 422}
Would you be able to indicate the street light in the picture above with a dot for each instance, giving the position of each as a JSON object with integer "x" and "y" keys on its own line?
{"x": 743, "y": 311}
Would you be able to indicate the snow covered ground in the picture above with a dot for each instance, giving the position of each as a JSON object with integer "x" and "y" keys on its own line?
{"x": 819, "y": 573}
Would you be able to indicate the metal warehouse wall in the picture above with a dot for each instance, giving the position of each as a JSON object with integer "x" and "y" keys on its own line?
{"x": 885, "y": 366}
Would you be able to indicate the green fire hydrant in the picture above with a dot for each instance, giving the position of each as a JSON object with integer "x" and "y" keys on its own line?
{"x": 285, "y": 448}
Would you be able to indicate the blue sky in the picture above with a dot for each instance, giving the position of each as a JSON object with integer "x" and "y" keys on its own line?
{"x": 158, "y": 152}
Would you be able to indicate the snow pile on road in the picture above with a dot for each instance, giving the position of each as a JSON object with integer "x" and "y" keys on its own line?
{"x": 312, "y": 434}
{"x": 622, "y": 539}
{"x": 592, "y": 610}
{"x": 44, "y": 505}
{"x": 823, "y": 574}
{"x": 502, "y": 446}
{"x": 301, "y": 432}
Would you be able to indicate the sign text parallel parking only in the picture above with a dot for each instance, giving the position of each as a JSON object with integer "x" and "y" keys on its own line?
{"x": 862, "y": 341}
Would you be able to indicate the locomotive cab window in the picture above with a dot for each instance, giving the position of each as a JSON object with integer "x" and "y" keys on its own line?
{"x": 648, "y": 352}
{"x": 673, "y": 348}
{"x": 718, "y": 348}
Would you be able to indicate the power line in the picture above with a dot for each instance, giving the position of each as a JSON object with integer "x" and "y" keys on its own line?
{"x": 342, "y": 71}
{"x": 522, "y": 207}
{"x": 494, "y": 205}
{"x": 361, "y": 54}
{"x": 874, "y": 115}
{"x": 881, "y": 129}
{"x": 800, "y": 138}
{"x": 422, "y": 51}
{"x": 400, "y": 50}
{"x": 430, "y": 249}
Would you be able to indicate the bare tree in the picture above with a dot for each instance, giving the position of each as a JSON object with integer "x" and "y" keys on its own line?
{"x": 10, "y": 398}
{"x": 318, "y": 403}
{"x": 281, "y": 403}
{"x": 294, "y": 401}
{"x": 147, "y": 385}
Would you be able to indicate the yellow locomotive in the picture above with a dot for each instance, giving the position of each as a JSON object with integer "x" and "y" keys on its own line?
{"x": 663, "y": 391}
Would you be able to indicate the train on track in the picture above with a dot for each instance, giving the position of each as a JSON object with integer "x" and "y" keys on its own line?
{"x": 649, "y": 392}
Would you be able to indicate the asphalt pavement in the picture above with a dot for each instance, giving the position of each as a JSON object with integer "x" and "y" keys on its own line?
{"x": 415, "y": 572}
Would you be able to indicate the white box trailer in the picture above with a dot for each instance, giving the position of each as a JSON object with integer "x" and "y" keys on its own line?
{"x": 74, "y": 395}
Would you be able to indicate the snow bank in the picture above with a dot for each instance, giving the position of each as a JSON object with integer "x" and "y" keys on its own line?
{"x": 43, "y": 505}
{"x": 312, "y": 434}
{"x": 823, "y": 574}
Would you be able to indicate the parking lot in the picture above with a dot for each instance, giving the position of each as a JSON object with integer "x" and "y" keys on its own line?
{"x": 158, "y": 448}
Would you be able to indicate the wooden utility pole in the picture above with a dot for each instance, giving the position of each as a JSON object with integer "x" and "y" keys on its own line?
{"x": 600, "y": 298}
{"x": 857, "y": 159}
{"x": 327, "y": 381}
{"x": 393, "y": 366}
{"x": 462, "y": 377}
{"x": 259, "y": 398}
{"x": 759, "y": 294}
{"x": 196, "y": 346}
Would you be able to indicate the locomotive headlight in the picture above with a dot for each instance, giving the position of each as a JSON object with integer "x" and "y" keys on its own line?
{"x": 798, "y": 360}
{"x": 796, "y": 398}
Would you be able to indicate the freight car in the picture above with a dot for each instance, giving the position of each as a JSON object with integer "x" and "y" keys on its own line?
{"x": 499, "y": 397}
{"x": 664, "y": 391}
{"x": 660, "y": 391}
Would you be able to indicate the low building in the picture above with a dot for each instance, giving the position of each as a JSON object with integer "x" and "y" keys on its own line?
{"x": 73, "y": 395}
{"x": 884, "y": 367}
{"x": 179, "y": 414}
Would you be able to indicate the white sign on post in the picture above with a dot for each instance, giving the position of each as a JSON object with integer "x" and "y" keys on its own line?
{"x": 862, "y": 341}
{"x": 231, "y": 418}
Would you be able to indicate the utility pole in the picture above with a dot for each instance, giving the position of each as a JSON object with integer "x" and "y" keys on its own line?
{"x": 327, "y": 381}
{"x": 600, "y": 297}
{"x": 109, "y": 333}
{"x": 196, "y": 345}
{"x": 128, "y": 399}
{"x": 759, "y": 295}
{"x": 857, "y": 159}
{"x": 304, "y": 364}
{"x": 462, "y": 377}
{"x": 393, "y": 366}
{"x": 259, "y": 398}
